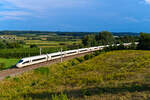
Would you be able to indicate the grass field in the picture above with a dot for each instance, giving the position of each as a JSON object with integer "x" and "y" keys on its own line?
{"x": 44, "y": 44}
{"x": 115, "y": 75}
{"x": 8, "y": 62}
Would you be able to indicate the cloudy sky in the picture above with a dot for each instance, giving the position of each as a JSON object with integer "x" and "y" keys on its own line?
{"x": 75, "y": 15}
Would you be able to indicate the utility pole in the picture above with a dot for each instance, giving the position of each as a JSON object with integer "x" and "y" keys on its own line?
{"x": 61, "y": 56}
{"x": 40, "y": 51}
{"x": 29, "y": 53}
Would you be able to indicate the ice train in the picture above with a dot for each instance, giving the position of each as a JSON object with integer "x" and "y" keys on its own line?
{"x": 48, "y": 57}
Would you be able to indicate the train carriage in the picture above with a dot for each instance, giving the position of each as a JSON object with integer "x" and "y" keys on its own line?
{"x": 71, "y": 52}
{"x": 83, "y": 50}
{"x": 57, "y": 55}
{"x": 31, "y": 60}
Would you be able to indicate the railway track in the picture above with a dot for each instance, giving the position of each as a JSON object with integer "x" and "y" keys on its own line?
{"x": 16, "y": 71}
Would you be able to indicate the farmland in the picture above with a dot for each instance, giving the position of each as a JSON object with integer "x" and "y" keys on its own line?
{"x": 29, "y": 44}
{"x": 45, "y": 41}
{"x": 112, "y": 75}
{"x": 47, "y": 44}
{"x": 14, "y": 47}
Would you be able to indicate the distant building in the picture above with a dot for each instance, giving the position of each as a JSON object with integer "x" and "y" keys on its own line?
{"x": 116, "y": 36}
{"x": 8, "y": 37}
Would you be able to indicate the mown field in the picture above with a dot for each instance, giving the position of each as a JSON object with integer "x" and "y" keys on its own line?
{"x": 115, "y": 75}
{"x": 47, "y": 44}
{"x": 8, "y": 63}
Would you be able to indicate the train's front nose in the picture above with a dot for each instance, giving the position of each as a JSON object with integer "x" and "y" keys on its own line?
{"x": 18, "y": 65}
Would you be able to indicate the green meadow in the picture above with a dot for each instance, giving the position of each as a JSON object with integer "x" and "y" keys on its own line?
{"x": 8, "y": 62}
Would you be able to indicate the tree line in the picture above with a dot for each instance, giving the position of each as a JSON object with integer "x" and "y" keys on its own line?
{"x": 10, "y": 44}
{"x": 144, "y": 41}
{"x": 62, "y": 33}
{"x": 105, "y": 37}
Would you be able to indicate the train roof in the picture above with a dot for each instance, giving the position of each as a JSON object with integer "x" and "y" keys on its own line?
{"x": 71, "y": 50}
{"x": 34, "y": 56}
{"x": 55, "y": 53}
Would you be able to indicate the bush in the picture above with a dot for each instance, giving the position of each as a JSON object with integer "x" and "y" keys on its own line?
{"x": 2, "y": 65}
{"x": 7, "y": 77}
{"x": 87, "y": 57}
{"x": 80, "y": 59}
{"x": 74, "y": 62}
{"x": 16, "y": 79}
{"x": 96, "y": 53}
{"x": 144, "y": 42}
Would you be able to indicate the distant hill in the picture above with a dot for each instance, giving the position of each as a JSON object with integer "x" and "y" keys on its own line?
{"x": 125, "y": 33}
{"x": 64, "y": 33}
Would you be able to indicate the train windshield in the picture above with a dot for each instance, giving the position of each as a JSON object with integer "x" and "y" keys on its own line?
{"x": 20, "y": 61}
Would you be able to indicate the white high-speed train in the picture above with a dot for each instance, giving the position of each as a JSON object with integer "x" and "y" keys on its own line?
{"x": 47, "y": 57}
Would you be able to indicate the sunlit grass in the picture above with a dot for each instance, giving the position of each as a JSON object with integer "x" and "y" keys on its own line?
{"x": 8, "y": 62}
{"x": 115, "y": 75}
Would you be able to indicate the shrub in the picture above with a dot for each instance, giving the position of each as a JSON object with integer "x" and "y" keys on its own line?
{"x": 87, "y": 57}
{"x": 2, "y": 65}
{"x": 80, "y": 59}
{"x": 7, "y": 77}
{"x": 34, "y": 82}
{"x": 96, "y": 53}
{"x": 144, "y": 42}
{"x": 16, "y": 79}
{"x": 74, "y": 62}
{"x": 86, "y": 92}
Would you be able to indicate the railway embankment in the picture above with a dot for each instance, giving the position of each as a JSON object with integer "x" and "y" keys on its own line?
{"x": 16, "y": 71}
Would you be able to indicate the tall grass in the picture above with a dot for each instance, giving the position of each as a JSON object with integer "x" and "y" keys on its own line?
{"x": 115, "y": 75}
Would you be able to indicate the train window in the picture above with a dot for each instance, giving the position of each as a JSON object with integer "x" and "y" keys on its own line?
{"x": 39, "y": 59}
{"x": 25, "y": 62}
{"x": 83, "y": 50}
{"x": 57, "y": 55}
{"x": 71, "y": 52}
{"x": 20, "y": 61}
